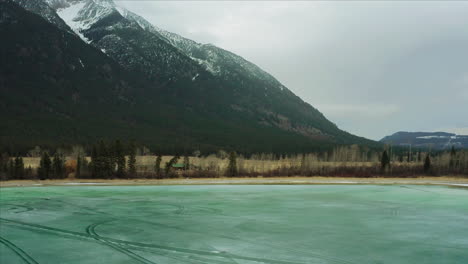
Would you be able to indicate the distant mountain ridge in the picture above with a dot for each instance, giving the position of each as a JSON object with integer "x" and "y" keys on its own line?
{"x": 149, "y": 84}
{"x": 435, "y": 140}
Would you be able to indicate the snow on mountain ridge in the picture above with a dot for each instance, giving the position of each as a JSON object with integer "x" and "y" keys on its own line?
{"x": 44, "y": 10}
{"x": 437, "y": 140}
{"x": 207, "y": 55}
{"x": 81, "y": 15}
{"x": 69, "y": 14}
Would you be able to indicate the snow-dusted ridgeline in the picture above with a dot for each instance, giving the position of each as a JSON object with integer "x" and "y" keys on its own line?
{"x": 80, "y": 15}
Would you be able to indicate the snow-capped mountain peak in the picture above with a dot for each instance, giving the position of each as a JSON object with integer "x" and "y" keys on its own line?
{"x": 80, "y": 15}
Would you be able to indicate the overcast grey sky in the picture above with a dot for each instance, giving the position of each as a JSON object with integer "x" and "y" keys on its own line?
{"x": 372, "y": 67}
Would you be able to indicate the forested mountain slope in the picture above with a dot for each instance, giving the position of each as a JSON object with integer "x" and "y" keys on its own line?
{"x": 98, "y": 71}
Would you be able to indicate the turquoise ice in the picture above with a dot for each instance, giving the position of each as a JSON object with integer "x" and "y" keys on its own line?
{"x": 234, "y": 224}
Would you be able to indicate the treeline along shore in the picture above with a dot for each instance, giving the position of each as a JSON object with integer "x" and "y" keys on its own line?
{"x": 118, "y": 160}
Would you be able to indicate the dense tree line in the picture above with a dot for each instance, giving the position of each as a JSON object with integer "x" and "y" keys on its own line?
{"x": 108, "y": 161}
{"x": 117, "y": 160}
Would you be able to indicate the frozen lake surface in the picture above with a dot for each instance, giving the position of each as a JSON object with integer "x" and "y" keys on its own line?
{"x": 234, "y": 224}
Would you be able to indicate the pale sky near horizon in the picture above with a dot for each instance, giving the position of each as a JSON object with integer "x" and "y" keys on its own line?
{"x": 372, "y": 67}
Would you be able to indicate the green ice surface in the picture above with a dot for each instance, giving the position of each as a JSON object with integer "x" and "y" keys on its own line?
{"x": 234, "y": 224}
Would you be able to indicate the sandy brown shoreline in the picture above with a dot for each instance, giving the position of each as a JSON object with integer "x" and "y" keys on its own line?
{"x": 446, "y": 180}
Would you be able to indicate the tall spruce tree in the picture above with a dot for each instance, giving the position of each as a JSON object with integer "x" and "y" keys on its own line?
{"x": 186, "y": 162}
{"x": 385, "y": 161}
{"x": 94, "y": 164}
{"x": 4, "y": 160}
{"x": 157, "y": 166}
{"x": 132, "y": 161}
{"x": 232, "y": 166}
{"x": 453, "y": 152}
{"x": 58, "y": 166}
{"x": 427, "y": 164}
{"x": 19, "y": 168}
{"x": 105, "y": 161}
{"x": 45, "y": 165}
{"x": 11, "y": 168}
{"x": 79, "y": 165}
{"x": 120, "y": 159}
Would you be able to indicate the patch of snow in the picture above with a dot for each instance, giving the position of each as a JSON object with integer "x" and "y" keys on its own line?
{"x": 69, "y": 15}
{"x": 104, "y": 51}
{"x": 82, "y": 65}
{"x": 123, "y": 12}
{"x": 195, "y": 77}
{"x": 429, "y": 137}
{"x": 208, "y": 65}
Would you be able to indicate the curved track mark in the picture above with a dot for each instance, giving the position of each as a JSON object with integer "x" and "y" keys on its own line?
{"x": 225, "y": 255}
{"x": 26, "y": 208}
{"x": 90, "y": 230}
{"x": 18, "y": 251}
{"x": 200, "y": 252}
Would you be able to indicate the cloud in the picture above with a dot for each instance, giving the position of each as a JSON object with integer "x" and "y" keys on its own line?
{"x": 361, "y": 111}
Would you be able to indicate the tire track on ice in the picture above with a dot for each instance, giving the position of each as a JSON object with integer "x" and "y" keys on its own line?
{"x": 147, "y": 245}
{"x": 90, "y": 230}
{"x": 26, "y": 208}
{"x": 18, "y": 251}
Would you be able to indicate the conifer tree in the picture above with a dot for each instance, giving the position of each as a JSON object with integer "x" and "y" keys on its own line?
{"x": 157, "y": 166}
{"x": 232, "y": 166}
{"x": 385, "y": 161}
{"x": 44, "y": 167}
{"x": 22, "y": 170}
{"x": 427, "y": 164}
{"x": 105, "y": 161}
{"x": 453, "y": 154}
{"x": 19, "y": 168}
{"x": 94, "y": 164}
{"x": 132, "y": 161}
{"x": 119, "y": 159}
{"x": 58, "y": 166}
{"x": 78, "y": 166}
{"x": 11, "y": 168}
{"x": 4, "y": 160}
{"x": 186, "y": 162}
